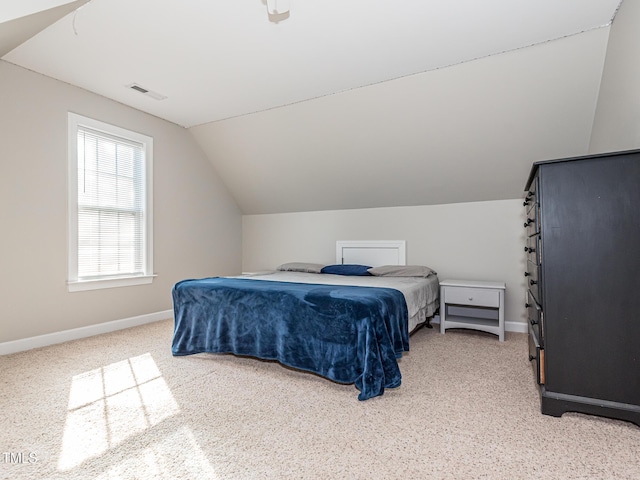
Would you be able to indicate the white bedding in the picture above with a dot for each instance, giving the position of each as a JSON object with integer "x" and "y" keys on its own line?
{"x": 421, "y": 294}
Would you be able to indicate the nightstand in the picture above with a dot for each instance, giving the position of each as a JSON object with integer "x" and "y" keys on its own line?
{"x": 472, "y": 304}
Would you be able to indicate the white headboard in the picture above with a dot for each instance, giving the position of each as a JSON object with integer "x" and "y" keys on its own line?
{"x": 371, "y": 252}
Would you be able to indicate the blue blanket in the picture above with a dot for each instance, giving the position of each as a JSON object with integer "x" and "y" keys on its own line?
{"x": 348, "y": 334}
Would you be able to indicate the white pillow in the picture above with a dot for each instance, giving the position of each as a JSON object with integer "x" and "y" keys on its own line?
{"x": 300, "y": 267}
{"x": 402, "y": 271}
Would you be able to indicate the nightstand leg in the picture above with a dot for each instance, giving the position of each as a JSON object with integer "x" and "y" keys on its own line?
{"x": 501, "y": 317}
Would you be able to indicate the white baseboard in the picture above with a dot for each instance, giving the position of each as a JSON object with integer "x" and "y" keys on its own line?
{"x": 82, "y": 332}
{"x": 518, "y": 327}
{"x": 21, "y": 345}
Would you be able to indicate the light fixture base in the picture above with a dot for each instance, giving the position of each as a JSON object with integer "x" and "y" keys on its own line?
{"x": 278, "y": 7}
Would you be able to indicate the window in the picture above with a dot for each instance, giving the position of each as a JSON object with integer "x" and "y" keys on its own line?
{"x": 110, "y": 207}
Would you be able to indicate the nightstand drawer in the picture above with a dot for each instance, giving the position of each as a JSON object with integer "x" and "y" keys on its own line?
{"x": 475, "y": 305}
{"x": 472, "y": 296}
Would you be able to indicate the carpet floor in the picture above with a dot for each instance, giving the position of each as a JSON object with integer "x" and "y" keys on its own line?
{"x": 119, "y": 406}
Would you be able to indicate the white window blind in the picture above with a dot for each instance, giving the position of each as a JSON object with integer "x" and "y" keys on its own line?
{"x": 111, "y": 206}
{"x": 111, "y": 224}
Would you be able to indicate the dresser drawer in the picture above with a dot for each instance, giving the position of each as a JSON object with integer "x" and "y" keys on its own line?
{"x": 532, "y": 277}
{"x": 531, "y": 206}
{"x": 535, "y": 317}
{"x": 533, "y": 272}
{"x": 532, "y": 209}
{"x": 532, "y": 243}
{"x": 531, "y": 197}
{"x": 531, "y": 222}
{"x": 536, "y": 357}
{"x": 472, "y": 296}
{"x": 533, "y": 248}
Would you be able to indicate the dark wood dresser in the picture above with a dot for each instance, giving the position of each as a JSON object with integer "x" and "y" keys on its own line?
{"x": 583, "y": 277}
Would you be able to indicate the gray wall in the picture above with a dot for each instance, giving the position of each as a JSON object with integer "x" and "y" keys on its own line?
{"x": 197, "y": 228}
{"x": 617, "y": 121}
{"x": 480, "y": 240}
{"x": 459, "y": 134}
{"x": 472, "y": 241}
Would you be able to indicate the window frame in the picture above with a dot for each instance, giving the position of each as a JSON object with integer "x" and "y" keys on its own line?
{"x": 75, "y": 284}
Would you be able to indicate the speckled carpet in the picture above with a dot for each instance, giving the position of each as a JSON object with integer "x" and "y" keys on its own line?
{"x": 119, "y": 406}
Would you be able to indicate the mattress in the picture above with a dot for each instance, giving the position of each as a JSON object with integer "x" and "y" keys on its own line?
{"x": 421, "y": 294}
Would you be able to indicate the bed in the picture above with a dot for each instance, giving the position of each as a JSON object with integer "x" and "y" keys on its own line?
{"x": 347, "y": 322}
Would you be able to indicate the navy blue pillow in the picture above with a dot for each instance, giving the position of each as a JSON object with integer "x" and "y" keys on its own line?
{"x": 346, "y": 269}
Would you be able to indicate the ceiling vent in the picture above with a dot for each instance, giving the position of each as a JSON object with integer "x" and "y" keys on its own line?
{"x": 144, "y": 91}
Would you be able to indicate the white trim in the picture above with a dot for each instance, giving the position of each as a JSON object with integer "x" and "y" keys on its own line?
{"x": 109, "y": 283}
{"x": 372, "y": 248}
{"x": 519, "y": 327}
{"x": 23, "y": 344}
{"x": 74, "y": 121}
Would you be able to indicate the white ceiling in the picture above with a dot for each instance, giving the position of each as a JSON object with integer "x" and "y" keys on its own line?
{"x": 19, "y": 21}
{"x": 224, "y": 58}
{"x": 345, "y": 103}
{"x": 12, "y": 9}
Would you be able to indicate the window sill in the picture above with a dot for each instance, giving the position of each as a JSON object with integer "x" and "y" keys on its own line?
{"x": 81, "y": 286}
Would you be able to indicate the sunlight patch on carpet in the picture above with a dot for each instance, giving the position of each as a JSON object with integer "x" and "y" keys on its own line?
{"x": 110, "y": 404}
{"x": 174, "y": 456}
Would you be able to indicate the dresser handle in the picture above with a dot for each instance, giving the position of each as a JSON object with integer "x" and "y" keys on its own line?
{"x": 528, "y": 222}
{"x": 533, "y": 322}
{"x": 527, "y": 305}
{"x": 526, "y": 274}
{"x": 530, "y": 194}
{"x": 529, "y": 249}
{"x": 532, "y": 282}
{"x": 532, "y": 357}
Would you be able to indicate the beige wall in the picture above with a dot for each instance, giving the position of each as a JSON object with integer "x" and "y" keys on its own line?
{"x": 474, "y": 241}
{"x": 197, "y": 229}
{"x": 459, "y": 134}
{"x": 617, "y": 120}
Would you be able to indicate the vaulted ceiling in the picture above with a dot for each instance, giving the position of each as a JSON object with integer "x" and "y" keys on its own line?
{"x": 339, "y": 104}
